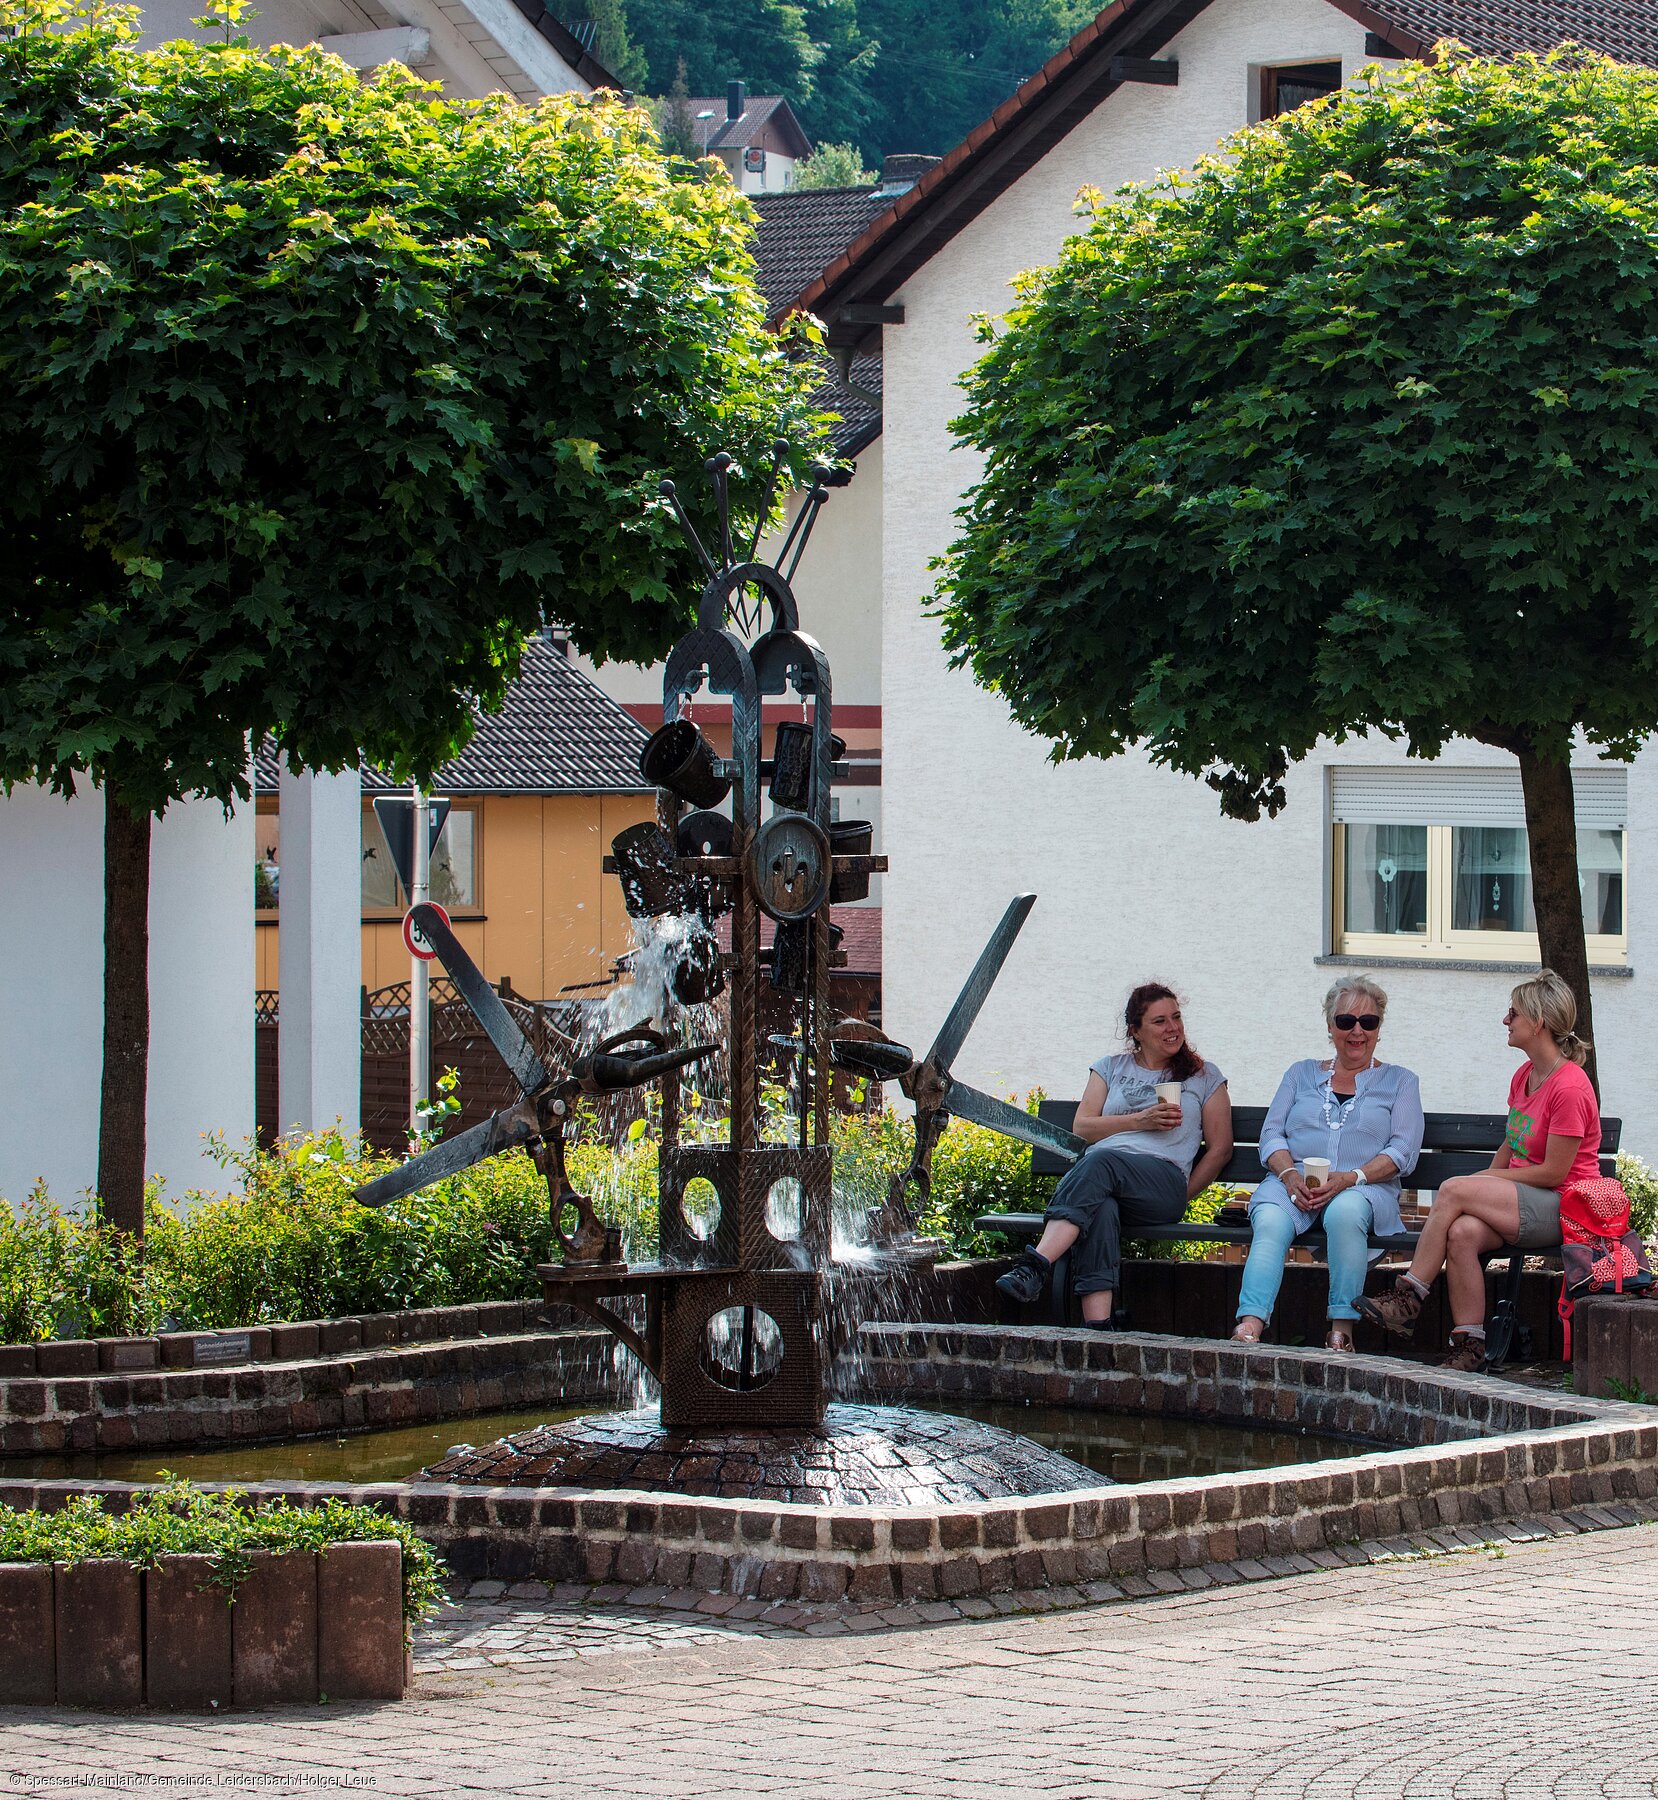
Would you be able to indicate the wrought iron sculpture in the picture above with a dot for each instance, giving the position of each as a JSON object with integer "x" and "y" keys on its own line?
{"x": 745, "y": 1311}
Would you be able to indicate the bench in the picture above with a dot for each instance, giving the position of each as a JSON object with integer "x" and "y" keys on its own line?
{"x": 1452, "y": 1144}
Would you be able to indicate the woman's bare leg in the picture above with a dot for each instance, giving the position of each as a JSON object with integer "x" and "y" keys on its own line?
{"x": 1058, "y": 1235}
{"x": 1490, "y": 1200}
{"x": 1469, "y": 1239}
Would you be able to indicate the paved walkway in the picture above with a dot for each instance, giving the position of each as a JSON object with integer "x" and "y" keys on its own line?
{"x": 1514, "y": 1673}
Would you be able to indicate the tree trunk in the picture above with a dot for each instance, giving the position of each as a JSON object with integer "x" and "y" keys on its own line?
{"x": 126, "y": 1016}
{"x": 1551, "y": 824}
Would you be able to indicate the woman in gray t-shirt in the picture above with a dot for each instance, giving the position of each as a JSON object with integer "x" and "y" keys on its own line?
{"x": 1143, "y": 1162}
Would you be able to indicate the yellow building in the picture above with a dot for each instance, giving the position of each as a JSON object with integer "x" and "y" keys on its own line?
{"x": 537, "y": 796}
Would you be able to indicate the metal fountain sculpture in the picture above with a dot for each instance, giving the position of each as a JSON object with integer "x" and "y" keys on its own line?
{"x": 743, "y": 1315}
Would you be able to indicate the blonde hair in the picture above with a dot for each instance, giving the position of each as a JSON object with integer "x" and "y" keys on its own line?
{"x": 1547, "y": 1001}
{"x": 1366, "y": 985}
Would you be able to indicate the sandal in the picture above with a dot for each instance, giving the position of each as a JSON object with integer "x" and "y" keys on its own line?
{"x": 1339, "y": 1337}
{"x": 1241, "y": 1336}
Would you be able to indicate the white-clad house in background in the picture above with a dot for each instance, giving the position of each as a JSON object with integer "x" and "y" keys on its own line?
{"x": 201, "y": 1065}
{"x": 1413, "y": 870}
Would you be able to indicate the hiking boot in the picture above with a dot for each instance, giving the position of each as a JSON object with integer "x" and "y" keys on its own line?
{"x": 1396, "y": 1311}
{"x": 1467, "y": 1354}
{"x": 1027, "y": 1281}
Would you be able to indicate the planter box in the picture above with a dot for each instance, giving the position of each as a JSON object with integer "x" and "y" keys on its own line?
{"x": 305, "y": 1626}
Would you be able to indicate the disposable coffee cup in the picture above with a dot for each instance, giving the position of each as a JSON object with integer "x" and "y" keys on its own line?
{"x": 1169, "y": 1093}
{"x": 1316, "y": 1170}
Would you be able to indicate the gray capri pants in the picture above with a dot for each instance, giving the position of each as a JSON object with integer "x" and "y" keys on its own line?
{"x": 1104, "y": 1191}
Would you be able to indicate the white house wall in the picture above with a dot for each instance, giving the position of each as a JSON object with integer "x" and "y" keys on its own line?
{"x": 51, "y": 991}
{"x": 1138, "y": 874}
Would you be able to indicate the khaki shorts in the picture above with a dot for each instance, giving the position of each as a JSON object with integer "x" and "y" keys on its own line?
{"x": 1539, "y": 1218}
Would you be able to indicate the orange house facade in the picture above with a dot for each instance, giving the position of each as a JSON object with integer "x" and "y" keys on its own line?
{"x": 536, "y": 798}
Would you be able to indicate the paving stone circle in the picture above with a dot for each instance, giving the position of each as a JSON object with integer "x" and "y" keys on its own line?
{"x": 859, "y": 1456}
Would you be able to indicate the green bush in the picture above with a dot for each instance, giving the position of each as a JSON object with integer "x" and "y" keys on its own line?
{"x": 291, "y": 1243}
{"x": 180, "y": 1519}
{"x": 1640, "y": 1183}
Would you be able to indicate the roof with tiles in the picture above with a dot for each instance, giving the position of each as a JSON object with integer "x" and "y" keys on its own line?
{"x": 761, "y": 112}
{"x": 568, "y": 45}
{"x": 557, "y": 733}
{"x": 1027, "y": 125}
{"x": 800, "y": 230}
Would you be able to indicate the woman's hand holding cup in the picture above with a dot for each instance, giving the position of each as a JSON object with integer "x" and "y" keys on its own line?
{"x": 1159, "y": 1116}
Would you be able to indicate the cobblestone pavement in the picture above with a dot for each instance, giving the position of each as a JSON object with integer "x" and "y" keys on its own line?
{"x": 1512, "y": 1672}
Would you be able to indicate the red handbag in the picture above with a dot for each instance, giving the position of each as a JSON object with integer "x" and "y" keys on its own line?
{"x": 1599, "y": 1253}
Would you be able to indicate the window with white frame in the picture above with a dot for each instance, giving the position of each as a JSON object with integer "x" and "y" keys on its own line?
{"x": 1434, "y": 861}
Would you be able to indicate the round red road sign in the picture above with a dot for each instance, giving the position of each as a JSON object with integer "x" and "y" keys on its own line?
{"x": 416, "y": 944}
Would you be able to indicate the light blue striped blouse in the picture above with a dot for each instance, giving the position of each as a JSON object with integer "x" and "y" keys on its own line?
{"x": 1384, "y": 1118}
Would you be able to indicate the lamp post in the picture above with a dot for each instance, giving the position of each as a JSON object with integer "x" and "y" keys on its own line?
{"x": 702, "y": 120}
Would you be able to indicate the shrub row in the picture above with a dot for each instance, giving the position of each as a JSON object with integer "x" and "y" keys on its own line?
{"x": 180, "y": 1519}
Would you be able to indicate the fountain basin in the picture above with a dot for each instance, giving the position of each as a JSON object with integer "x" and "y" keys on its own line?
{"x": 1472, "y": 1449}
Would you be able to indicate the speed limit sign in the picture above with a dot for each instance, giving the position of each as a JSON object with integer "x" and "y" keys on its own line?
{"x": 415, "y": 943}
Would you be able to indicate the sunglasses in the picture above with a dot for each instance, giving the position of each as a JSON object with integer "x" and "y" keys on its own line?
{"x": 1365, "y": 1021}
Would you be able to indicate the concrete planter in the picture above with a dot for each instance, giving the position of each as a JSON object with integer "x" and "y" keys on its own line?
{"x": 305, "y": 1626}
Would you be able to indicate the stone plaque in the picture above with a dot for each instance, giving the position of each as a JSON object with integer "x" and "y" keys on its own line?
{"x": 223, "y": 1347}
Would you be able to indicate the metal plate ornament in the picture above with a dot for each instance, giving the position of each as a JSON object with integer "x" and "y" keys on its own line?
{"x": 790, "y": 866}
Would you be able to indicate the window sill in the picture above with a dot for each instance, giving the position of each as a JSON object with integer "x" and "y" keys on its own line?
{"x": 1614, "y": 971}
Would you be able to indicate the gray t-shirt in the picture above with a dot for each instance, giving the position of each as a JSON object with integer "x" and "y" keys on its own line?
{"x": 1129, "y": 1088}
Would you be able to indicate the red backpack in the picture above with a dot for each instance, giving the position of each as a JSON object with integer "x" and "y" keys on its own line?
{"x": 1599, "y": 1253}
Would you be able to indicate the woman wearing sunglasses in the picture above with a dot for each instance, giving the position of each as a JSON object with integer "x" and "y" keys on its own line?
{"x": 1553, "y": 1141}
{"x": 1362, "y": 1120}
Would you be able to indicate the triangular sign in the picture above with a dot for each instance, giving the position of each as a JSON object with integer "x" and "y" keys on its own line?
{"x": 396, "y": 815}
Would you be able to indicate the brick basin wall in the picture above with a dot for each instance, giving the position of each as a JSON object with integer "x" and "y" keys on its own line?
{"x": 1476, "y": 1450}
{"x": 402, "y": 1385}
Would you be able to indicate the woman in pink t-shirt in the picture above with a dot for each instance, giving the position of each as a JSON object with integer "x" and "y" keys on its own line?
{"x": 1553, "y": 1140}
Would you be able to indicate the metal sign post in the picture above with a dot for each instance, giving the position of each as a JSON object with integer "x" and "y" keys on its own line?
{"x": 420, "y": 990}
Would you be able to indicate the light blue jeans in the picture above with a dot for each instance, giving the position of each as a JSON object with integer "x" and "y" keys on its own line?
{"x": 1346, "y": 1224}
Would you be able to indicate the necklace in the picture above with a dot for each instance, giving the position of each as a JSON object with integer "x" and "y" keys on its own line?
{"x": 1334, "y": 1107}
{"x": 1535, "y": 1081}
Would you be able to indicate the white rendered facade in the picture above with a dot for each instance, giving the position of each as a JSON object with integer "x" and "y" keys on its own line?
{"x": 1138, "y": 874}
{"x": 51, "y": 991}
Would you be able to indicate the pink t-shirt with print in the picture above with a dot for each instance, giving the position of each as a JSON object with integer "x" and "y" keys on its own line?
{"x": 1564, "y": 1106}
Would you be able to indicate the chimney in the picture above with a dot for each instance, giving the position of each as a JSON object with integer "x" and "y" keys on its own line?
{"x": 901, "y": 170}
{"x": 735, "y": 98}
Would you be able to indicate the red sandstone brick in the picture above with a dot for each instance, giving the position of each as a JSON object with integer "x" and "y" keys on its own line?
{"x": 1001, "y": 1528}
{"x": 187, "y": 1632}
{"x": 68, "y": 1356}
{"x": 335, "y": 1336}
{"x": 600, "y": 1560}
{"x": 17, "y": 1361}
{"x": 823, "y": 1581}
{"x": 797, "y": 1531}
{"x": 707, "y": 1572}
{"x": 919, "y": 1581}
{"x": 778, "y": 1581}
{"x": 360, "y": 1632}
{"x": 852, "y": 1534}
{"x": 274, "y": 1630}
{"x": 871, "y": 1581}
{"x": 1252, "y": 1539}
{"x": 1128, "y": 1556}
{"x": 912, "y": 1533}
{"x": 635, "y": 1561}
{"x": 673, "y": 1569}
{"x": 98, "y": 1621}
{"x": 958, "y": 1531}
{"x": 28, "y": 1634}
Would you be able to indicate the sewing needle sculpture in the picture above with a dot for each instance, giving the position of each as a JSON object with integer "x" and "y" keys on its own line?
{"x": 745, "y": 1311}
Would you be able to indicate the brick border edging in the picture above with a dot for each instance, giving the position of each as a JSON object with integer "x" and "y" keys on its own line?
{"x": 184, "y": 1408}
{"x": 284, "y": 1341}
{"x": 306, "y": 1624}
{"x": 1525, "y": 1453}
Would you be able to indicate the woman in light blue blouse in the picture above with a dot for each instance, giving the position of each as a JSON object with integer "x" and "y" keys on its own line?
{"x": 1364, "y": 1118}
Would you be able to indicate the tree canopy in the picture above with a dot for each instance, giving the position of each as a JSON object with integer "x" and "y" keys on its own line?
{"x": 321, "y": 393}
{"x": 1350, "y": 427}
{"x": 320, "y": 396}
{"x": 881, "y": 74}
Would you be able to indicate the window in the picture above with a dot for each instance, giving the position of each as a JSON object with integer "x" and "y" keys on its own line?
{"x": 1287, "y": 86}
{"x": 1435, "y": 861}
{"x": 454, "y": 865}
{"x": 267, "y": 860}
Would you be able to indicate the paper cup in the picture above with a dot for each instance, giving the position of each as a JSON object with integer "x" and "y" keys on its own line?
{"x": 1317, "y": 1170}
{"x": 1169, "y": 1093}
